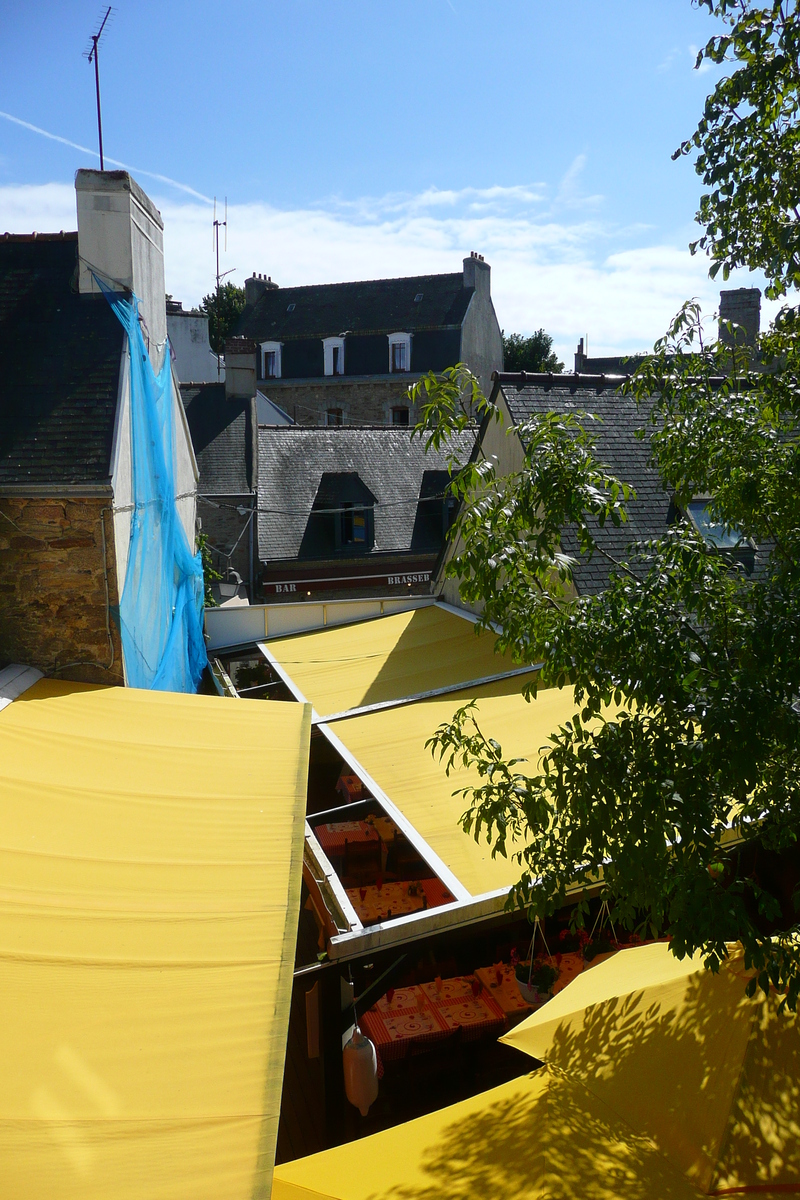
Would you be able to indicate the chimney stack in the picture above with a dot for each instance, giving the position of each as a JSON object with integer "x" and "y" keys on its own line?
{"x": 742, "y": 306}
{"x": 121, "y": 240}
{"x": 477, "y": 274}
{"x": 240, "y": 368}
{"x": 255, "y": 286}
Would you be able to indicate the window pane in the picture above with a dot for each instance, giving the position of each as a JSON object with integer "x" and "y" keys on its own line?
{"x": 398, "y": 356}
{"x": 713, "y": 533}
{"x": 269, "y": 364}
{"x": 400, "y": 416}
{"x": 333, "y": 416}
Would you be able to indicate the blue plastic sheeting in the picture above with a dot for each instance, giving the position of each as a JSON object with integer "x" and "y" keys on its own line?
{"x": 161, "y": 607}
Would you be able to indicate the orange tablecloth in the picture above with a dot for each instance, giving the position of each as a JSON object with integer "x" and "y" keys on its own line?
{"x": 332, "y": 837}
{"x": 457, "y": 1004}
{"x": 393, "y": 899}
{"x": 409, "y": 1017}
{"x": 505, "y": 993}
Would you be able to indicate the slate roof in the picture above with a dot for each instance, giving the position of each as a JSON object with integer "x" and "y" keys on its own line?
{"x": 621, "y": 452}
{"x": 298, "y": 465}
{"x": 60, "y": 356}
{"x": 221, "y": 436}
{"x": 372, "y": 306}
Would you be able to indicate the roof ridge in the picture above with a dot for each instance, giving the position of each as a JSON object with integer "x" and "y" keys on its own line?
{"x": 62, "y": 236}
{"x": 308, "y": 287}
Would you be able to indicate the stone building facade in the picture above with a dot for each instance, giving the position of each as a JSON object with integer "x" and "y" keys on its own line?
{"x": 59, "y": 600}
{"x": 347, "y": 353}
{"x": 67, "y": 488}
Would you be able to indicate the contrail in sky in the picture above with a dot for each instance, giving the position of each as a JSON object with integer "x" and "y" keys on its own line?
{"x": 54, "y": 137}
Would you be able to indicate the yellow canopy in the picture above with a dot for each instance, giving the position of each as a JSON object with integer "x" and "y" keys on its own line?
{"x": 150, "y": 867}
{"x": 388, "y": 658}
{"x": 540, "y": 1136}
{"x": 390, "y": 745}
{"x": 686, "y": 1059}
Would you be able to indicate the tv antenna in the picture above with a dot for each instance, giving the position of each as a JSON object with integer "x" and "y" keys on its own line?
{"x": 217, "y": 225}
{"x": 91, "y": 54}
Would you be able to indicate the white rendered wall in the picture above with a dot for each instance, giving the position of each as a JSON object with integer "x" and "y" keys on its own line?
{"x": 194, "y": 360}
{"x": 121, "y": 239}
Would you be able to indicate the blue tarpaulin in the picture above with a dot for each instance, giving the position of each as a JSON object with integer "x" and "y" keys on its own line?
{"x": 161, "y": 607}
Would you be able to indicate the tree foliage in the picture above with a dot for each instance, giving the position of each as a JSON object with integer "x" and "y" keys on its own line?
{"x": 676, "y": 786}
{"x": 534, "y": 353}
{"x": 748, "y": 143}
{"x": 222, "y": 323}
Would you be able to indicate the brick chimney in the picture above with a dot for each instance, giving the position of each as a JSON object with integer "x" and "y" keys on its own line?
{"x": 743, "y": 307}
{"x": 255, "y": 286}
{"x": 121, "y": 239}
{"x": 477, "y": 274}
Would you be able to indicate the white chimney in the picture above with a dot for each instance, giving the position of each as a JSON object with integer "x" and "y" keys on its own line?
{"x": 121, "y": 240}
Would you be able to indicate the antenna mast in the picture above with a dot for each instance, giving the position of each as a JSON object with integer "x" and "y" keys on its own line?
{"x": 92, "y": 54}
{"x": 217, "y": 226}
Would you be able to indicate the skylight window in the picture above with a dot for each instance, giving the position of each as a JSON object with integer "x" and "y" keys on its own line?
{"x": 418, "y": 297}
{"x": 290, "y": 307}
{"x": 713, "y": 533}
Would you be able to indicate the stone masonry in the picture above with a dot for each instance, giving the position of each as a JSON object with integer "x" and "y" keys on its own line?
{"x": 54, "y": 612}
{"x": 364, "y": 400}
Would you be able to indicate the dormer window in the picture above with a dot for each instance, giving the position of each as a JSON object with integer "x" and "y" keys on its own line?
{"x": 271, "y": 360}
{"x": 721, "y": 537}
{"x": 399, "y": 352}
{"x": 333, "y": 353}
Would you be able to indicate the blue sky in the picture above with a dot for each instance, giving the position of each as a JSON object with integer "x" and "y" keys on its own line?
{"x": 370, "y": 138}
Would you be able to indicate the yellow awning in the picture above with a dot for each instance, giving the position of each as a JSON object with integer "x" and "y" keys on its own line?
{"x": 150, "y": 867}
{"x": 686, "y": 1059}
{"x": 387, "y": 658}
{"x": 390, "y": 746}
{"x": 540, "y": 1137}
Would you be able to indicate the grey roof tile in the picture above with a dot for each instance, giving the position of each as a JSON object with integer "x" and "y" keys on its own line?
{"x": 60, "y": 356}
{"x": 295, "y": 465}
{"x": 624, "y": 455}
{"x": 221, "y": 436}
{"x": 370, "y": 306}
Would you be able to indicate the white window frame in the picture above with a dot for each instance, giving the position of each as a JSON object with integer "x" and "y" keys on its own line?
{"x": 328, "y": 346}
{"x": 271, "y": 348}
{"x": 400, "y": 339}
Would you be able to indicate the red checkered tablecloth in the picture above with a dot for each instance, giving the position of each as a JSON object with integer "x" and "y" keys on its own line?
{"x": 332, "y": 837}
{"x": 408, "y": 1017}
{"x": 436, "y": 893}
{"x": 457, "y": 1004}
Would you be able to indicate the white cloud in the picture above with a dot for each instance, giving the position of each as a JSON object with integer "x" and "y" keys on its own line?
{"x": 571, "y": 276}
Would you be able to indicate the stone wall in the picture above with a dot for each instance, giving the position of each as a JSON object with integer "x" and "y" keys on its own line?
{"x": 53, "y": 609}
{"x": 364, "y": 400}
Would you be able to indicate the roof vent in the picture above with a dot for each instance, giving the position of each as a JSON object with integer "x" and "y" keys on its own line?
{"x": 418, "y": 297}
{"x": 290, "y": 307}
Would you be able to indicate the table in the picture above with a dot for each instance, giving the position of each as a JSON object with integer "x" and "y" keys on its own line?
{"x": 374, "y": 904}
{"x": 505, "y": 993}
{"x": 457, "y": 1005}
{"x": 333, "y": 836}
{"x": 408, "y": 1017}
{"x": 351, "y": 788}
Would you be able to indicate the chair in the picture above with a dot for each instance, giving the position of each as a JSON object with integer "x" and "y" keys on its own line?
{"x": 361, "y": 862}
